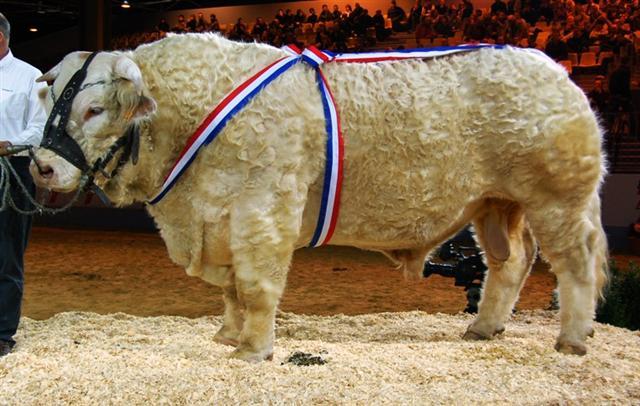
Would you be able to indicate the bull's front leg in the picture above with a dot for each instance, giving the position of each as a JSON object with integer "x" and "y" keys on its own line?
{"x": 224, "y": 276}
{"x": 233, "y": 319}
{"x": 263, "y": 235}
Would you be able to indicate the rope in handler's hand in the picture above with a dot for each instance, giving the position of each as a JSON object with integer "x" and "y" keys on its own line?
{"x": 8, "y": 172}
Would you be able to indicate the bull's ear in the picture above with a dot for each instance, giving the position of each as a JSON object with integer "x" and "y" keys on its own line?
{"x": 51, "y": 75}
{"x": 125, "y": 68}
{"x": 131, "y": 93}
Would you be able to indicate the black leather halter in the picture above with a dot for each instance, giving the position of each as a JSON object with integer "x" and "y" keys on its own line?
{"x": 56, "y": 138}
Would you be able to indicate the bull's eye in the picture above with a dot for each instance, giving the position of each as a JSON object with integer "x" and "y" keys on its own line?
{"x": 92, "y": 112}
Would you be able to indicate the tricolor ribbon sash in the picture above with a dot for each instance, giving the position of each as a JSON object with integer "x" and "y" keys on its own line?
{"x": 233, "y": 102}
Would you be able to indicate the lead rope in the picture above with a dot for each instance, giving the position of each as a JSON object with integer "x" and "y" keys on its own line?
{"x": 7, "y": 171}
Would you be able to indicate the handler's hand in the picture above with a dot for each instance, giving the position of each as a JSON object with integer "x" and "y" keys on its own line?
{"x": 3, "y": 148}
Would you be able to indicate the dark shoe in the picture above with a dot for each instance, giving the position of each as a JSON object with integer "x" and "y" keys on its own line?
{"x": 5, "y": 347}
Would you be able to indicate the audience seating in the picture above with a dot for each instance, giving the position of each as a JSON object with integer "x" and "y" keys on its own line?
{"x": 588, "y": 59}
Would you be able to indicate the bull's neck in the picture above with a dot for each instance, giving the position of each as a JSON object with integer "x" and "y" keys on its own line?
{"x": 182, "y": 107}
{"x": 135, "y": 183}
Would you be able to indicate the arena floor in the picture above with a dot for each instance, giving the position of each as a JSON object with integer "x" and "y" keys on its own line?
{"x": 109, "y": 272}
{"x": 363, "y": 357}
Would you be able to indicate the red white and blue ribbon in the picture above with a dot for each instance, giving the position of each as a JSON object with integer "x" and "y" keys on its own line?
{"x": 233, "y": 102}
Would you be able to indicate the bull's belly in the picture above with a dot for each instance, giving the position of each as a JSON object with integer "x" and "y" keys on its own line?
{"x": 396, "y": 226}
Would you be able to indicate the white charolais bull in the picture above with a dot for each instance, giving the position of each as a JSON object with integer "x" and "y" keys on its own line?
{"x": 498, "y": 137}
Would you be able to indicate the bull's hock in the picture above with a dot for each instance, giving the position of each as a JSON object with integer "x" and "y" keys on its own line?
{"x": 521, "y": 159}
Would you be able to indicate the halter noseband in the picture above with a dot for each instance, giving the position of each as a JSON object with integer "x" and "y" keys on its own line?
{"x": 56, "y": 138}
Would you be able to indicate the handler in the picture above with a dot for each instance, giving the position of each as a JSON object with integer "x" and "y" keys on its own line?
{"x": 22, "y": 120}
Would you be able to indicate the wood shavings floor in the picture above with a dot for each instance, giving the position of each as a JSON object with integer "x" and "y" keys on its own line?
{"x": 409, "y": 358}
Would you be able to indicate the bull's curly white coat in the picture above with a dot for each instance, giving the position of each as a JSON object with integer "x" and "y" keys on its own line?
{"x": 500, "y": 138}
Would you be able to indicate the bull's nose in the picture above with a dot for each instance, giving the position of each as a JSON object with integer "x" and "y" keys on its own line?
{"x": 46, "y": 171}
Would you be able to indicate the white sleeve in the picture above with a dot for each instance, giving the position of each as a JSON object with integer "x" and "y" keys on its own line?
{"x": 35, "y": 117}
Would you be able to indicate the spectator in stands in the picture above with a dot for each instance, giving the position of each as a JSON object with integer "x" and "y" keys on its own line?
{"x": 214, "y": 24}
{"x": 621, "y": 44}
{"x": 289, "y": 18}
{"x": 201, "y": 25}
{"x": 442, "y": 25}
{"x": 598, "y": 96}
{"x": 382, "y": 33}
{"x": 600, "y": 31}
{"x": 517, "y": 30}
{"x": 239, "y": 31}
{"x": 163, "y": 26}
{"x": 280, "y": 18}
{"x": 337, "y": 14}
{"x": 300, "y": 17}
{"x": 181, "y": 25}
{"x": 325, "y": 14}
{"x": 578, "y": 39}
{"x": 556, "y": 46}
{"x": 259, "y": 29}
{"x": 495, "y": 27}
{"x": 191, "y": 23}
{"x": 442, "y": 8}
{"x": 415, "y": 14}
{"x": 323, "y": 39}
{"x": 498, "y": 6}
{"x": 531, "y": 14}
{"x": 313, "y": 17}
{"x": 339, "y": 34}
{"x": 425, "y": 29}
{"x": 475, "y": 29}
{"x": 364, "y": 21}
{"x": 467, "y": 10}
{"x": 544, "y": 11}
{"x": 620, "y": 83}
{"x": 356, "y": 12}
{"x": 398, "y": 17}
{"x": 348, "y": 10}
{"x": 513, "y": 7}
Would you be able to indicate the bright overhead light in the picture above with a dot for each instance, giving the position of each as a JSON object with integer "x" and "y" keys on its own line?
{"x": 33, "y": 29}
{"x": 125, "y": 4}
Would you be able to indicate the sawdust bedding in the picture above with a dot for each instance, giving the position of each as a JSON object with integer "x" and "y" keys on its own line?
{"x": 384, "y": 358}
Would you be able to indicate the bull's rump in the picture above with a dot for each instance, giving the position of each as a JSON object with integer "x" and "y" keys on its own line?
{"x": 425, "y": 139}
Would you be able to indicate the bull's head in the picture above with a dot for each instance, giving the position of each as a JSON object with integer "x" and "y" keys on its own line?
{"x": 85, "y": 123}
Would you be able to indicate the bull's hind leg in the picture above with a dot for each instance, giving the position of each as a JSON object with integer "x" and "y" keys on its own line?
{"x": 574, "y": 244}
{"x": 510, "y": 249}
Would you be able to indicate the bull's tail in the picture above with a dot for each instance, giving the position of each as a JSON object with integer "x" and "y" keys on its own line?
{"x": 599, "y": 247}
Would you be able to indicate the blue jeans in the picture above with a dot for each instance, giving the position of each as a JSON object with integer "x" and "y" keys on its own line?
{"x": 14, "y": 234}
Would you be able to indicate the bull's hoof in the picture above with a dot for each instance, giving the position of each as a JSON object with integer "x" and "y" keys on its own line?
{"x": 251, "y": 356}
{"x": 221, "y": 339}
{"x": 571, "y": 348}
{"x": 413, "y": 276}
{"x": 227, "y": 336}
{"x": 499, "y": 331}
{"x": 471, "y": 335}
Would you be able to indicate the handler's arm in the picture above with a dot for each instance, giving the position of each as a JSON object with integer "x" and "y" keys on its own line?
{"x": 35, "y": 118}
